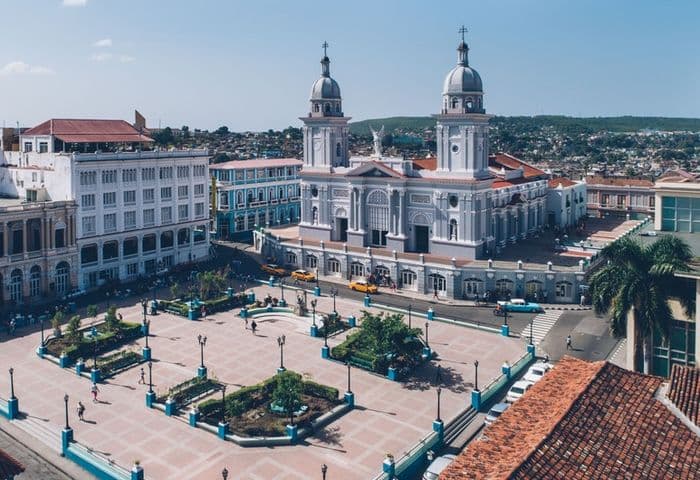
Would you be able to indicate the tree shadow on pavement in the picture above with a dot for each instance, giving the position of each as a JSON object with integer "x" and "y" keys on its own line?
{"x": 432, "y": 375}
{"x": 329, "y": 436}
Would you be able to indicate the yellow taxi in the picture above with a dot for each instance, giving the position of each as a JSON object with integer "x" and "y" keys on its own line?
{"x": 273, "y": 269}
{"x": 303, "y": 275}
{"x": 363, "y": 286}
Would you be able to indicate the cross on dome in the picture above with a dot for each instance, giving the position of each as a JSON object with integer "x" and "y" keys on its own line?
{"x": 463, "y": 30}
{"x": 325, "y": 46}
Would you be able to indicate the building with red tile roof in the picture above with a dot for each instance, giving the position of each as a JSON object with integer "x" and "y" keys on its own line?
{"x": 684, "y": 391}
{"x": 619, "y": 196}
{"x": 88, "y": 131}
{"x": 9, "y": 467}
{"x": 585, "y": 420}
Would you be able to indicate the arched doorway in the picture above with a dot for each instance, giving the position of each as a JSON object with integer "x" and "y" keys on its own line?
{"x": 62, "y": 278}
{"x": 16, "y": 294}
{"x": 35, "y": 281}
{"x": 437, "y": 284}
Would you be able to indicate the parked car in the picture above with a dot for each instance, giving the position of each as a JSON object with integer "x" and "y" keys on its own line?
{"x": 518, "y": 390}
{"x": 517, "y": 305}
{"x": 437, "y": 466}
{"x": 303, "y": 275}
{"x": 363, "y": 286}
{"x": 536, "y": 372}
{"x": 74, "y": 293}
{"x": 496, "y": 412}
{"x": 274, "y": 269}
{"x": 650, "y": 233}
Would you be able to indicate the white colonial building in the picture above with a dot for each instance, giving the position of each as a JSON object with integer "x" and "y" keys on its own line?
{"x": 139, "y": 211}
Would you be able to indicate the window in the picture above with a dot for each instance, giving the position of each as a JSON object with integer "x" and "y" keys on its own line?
{"x": 504, "y": 287}
{"x": 183, "y": 172}
{"x": 311, "y": 261}
{"x": 167, "y": 239}
{"x": 199, "y": 210}
{"x": 88, "y": 178}
{"x": 182, "y": 191}
{"x": 408, "y": 279}
{"x": 129, "y": 175}
{"x": 357, "y": 269}
{"x": 87, "y": 201}
{"x": 35, "y": 281}
{"x": 130, "y": 246}
{"x": 199, "y": 170}
{"x": 338, "y": 150}
{"x": 148, "y": 243}
{"x": 314, "y": 215}
{"x": 59, "y": 238}
{"x": 334, "y": 266}
{"x": 89, "y": 225}
{"x": 199, "y": 190}
{"x": 148, "y": 195}
{"x": 166, "y": 193}
{"x": 130, "y": 219}
{"x": 183, "y": 212}
{"x": 166, "y": 173}
{"x": 88, "y": 254}
{"x": 109, "y": 176}
{"x": 183, "y": 236}
{"x": 563, "y": 289}
{"x": 240, "y": 223}
{"x": 148, "y": 174}
{"x": 290, "y": 258}
{"x": 453, "y": 229}
{"x": 43, "y": 147}
{"x": 27, "y": 146}
{"x": 109, "y": 199}
{"x": 149, "y": 217}
{"x": 166, "y": 215}
{"x": 129, "y": 197}
{"x": 110, "y": 222}
{"x": 132, "y": 269}
{"x": 473, "y": 287}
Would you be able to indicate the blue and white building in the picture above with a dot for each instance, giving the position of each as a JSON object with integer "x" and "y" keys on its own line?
{"x": 255, "y": 193}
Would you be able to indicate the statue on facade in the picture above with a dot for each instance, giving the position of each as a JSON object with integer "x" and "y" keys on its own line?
{"x": 377, "y": 137}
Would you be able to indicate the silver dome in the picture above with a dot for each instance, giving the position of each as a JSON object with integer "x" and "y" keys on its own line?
{"x": 325, "y": 88}
{"x": 462, "y": 79}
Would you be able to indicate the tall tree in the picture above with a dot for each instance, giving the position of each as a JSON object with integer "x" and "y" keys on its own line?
{"x": 639, "y": 280}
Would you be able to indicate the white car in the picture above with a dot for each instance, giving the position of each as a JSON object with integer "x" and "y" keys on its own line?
{"x": 437, "y": 466}
{"x": 495, "y": 412}
{"x": 536, "y": 372}
{"x": 518, "y": 390}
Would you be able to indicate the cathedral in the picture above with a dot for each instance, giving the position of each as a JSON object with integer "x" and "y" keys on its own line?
{"x": 464, "y": 204}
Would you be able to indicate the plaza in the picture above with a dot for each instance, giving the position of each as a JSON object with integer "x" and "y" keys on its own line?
{"x": 390, "y": 417}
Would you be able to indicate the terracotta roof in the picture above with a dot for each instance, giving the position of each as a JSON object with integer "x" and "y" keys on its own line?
{"x": 619, "y": 181}
{"x": 425, "y": 163}
{"x": 257, "y": 163}
{"x": 9, "y": 467}
{"x": 684, "y": 391}
{"x": 511, "y": 163}
{"x": 89, "y": 131}
{"x": 564, "y": 182}
{"x": 581, "y": 421}
{"x": 678, "y": 176}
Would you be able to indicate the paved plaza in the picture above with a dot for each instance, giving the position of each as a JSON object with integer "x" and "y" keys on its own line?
{"x": 390, "y": 416}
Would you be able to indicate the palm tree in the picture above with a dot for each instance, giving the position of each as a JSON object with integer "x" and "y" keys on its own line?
{"x": 638, "y": 280}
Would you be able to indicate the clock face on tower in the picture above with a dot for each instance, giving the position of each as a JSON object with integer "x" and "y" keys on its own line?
{"x": 454, "y": 148}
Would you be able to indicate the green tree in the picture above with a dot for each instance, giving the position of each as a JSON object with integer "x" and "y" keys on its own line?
{"x": 164, "y": 137}
{"x": 287, "y": 392}
{"x": 223, "y": 130}
{"x": 111, "y": 319}
{"x": 92, "y": 311}
{"x": 56, "y": 322}
{"x": 73, "y": 330}
{"x": 175, "y": 290}
{"x": 210, "y": 284}
{"x": 637, "y": 281}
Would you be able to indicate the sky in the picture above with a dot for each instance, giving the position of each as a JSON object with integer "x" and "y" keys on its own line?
{"x": 249, "y": 65}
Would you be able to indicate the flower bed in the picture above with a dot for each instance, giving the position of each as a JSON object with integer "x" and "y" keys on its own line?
{"x": 111, "y": 364}
{"x": 184, "y": 393}
{"x": 106, "y": 340}
{"x": 334, "y": 325}
{"x": 249, "y": 414}
{"x": 219, "y": 304}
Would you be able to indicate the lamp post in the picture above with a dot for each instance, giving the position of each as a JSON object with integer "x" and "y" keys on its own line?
{"x": 42, "y": 330}
{"x": 410, "y": 308}
{"x": 324, "y": 470}
{"x": 150, "y": 377}
{"x": 325, "y": 332}
{"x": 224, "y": 473}
{"x": 313, "y": 310}
{"x": 202, "y": 341}
{"x": 531, "y": 322}
{"x": 317, "y": 285}
{"x": 438, "y": 391}
{"x": 291, "y": 410}
{"x": 282, "y": 289}
{"x": 223, "y": 404}
{"x": 144, "y": 305}
{"x": 94, "y": 352}
{"x": 505, "y": 316}
{"x": 65, "y": 400}
{"x": 12, "y": 383}
{"x": 280, "y": 342}
{"x": 426, "y": 334}
{"x": 476, "y": 375}
{"x": 348, "y": 365}
{"x": 147, "y": 324}
{"x": 334, "y": 293}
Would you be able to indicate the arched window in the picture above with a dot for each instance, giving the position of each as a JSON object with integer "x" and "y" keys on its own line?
{"x": 291, "y": 258}
{"x": 311, "y": 261}
{"x": 35, "y": 281}
{"x": 239, "y": 198}
{"x": 453, "y": 229}
{"x": 62, "y": 278}
{"x": 455, "y": 102}
{"x": 357, "y": 269}
{"x": 327, "y": 108}
{"x": 16, "y": 285}
{"x": 334, "y": 266}
{"x": 314, "y": 215}
{"x": 437, "y": 284}
{"x": 167, "y": 239}
{"x": 504, "y": 287}
{"x": 316, "y": 108}
{"x": 281, "y": 193}
{"x": 473, "y": 287}
{"x": 250, "y": 197}
{"x": 564, "y": 290}
{"x": 183, "y": 236}
{"x": 470, "y": 104}
{"x": 261, "y": 195}
{"x": 337, "y": 108}
{"x": 408, "y": 279}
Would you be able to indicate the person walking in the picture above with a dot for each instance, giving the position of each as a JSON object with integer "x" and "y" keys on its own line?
{"x": 142, "y": 378}
{"x": 81, "y": 411}
{"x": 253, "y": 326}
{"x": 94, "y": 390}
{"x": 246, "y": 323}
{"x": 435, "y": 295}
{"x": 568, "y": 342}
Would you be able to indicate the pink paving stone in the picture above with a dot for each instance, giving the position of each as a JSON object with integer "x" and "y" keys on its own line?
{"x": 390, "y": 417}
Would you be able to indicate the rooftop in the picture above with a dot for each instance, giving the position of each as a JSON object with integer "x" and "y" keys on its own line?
{"x": 584, "y": 420}
{"x": 9, "y": 467}
{"x": 684, "y": 391}
{"x": 619, "y": 181}
{"x": 89, "y": 131}
{"x": 564, "y": 182}
{"x": 257, "y": 163}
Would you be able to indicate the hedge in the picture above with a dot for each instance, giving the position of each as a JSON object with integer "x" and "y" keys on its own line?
{"x": 183, "y": 393}
{"x": 220, "y": 304}
{"x": 112, "y": 363}
{"x": 105, "y": 341}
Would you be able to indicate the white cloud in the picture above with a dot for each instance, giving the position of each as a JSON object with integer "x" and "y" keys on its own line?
{"x": 101, "y": 57}
{"x": 74, "y": 3}
{"x": 105, "y": 42}
{"x": 22, "y": 68}
{"x": 126, "y": 58}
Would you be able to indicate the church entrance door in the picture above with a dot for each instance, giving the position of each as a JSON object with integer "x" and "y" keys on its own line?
{"x": 422, "y": 242}
{"x": 341, "y": 225}
{"x": 379, "y": 238}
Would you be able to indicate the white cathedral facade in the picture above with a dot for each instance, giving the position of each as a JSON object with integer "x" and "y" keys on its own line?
{"x": 466, "y": 205}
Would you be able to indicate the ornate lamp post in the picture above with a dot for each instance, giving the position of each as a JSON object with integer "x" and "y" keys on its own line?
{"x": 223, "y": 403}
{"x": 410, "y": 308}
{"x": 325, "y": 332}
{"x": 144, "y": 305}
{"x": 202, "y": 340}
{"x": 282, "y": 290}
{"x": 324, "y": 470}
{"x": 347, "y": 364}
{"x": 426, "y": 334}
{"x": 42, "y": 329}
{"x": 150, "y": 377}
{"x": 334, "y": 293}
{"x": 280, "y": 342}
{"x": 531, "y": 322}
{"x": 12, "y": 383}
{"x": 94, "y": 352}
{"x": 147, "y": 324}
{"x": 313, "y": 310}
{"x": 65, "y": 400}
{"x": 476, "y": 375}
{"x": 438, "y": 391}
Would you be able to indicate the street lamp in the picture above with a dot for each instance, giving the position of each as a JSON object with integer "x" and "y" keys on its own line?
{"x": 438, "y": 391}
{"x": 202, "y": 341}
{"x": 41, "y": 319}
{"x": 531, "y": 322}
{"x": 12, "y": 383}
{"x": 325, "y": 332}
{"x": 291, "y": 409}
{"x": 317, "y": 276}
{"x": 147, "y": 324}
{"x": 505, "y": 316}
{"x": 410, "y": 308}
{"x": 313, "y": 309}
{"x": 334, "y": 292}
{"x": 144, "y": 305}
{"x": 426, "y": 334}
{"x": 224, "y": 473}
{"x": 65, "y": 400}
{"x": 282, "y": 288}
{"x": 324, "y": 470}
{"x": 94, "y": 352}
{"x": 476, "y": 375}
{"x": 223, "y": 403}
{"x": 150, "y": 377}
{"x": 281, "y": 341}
